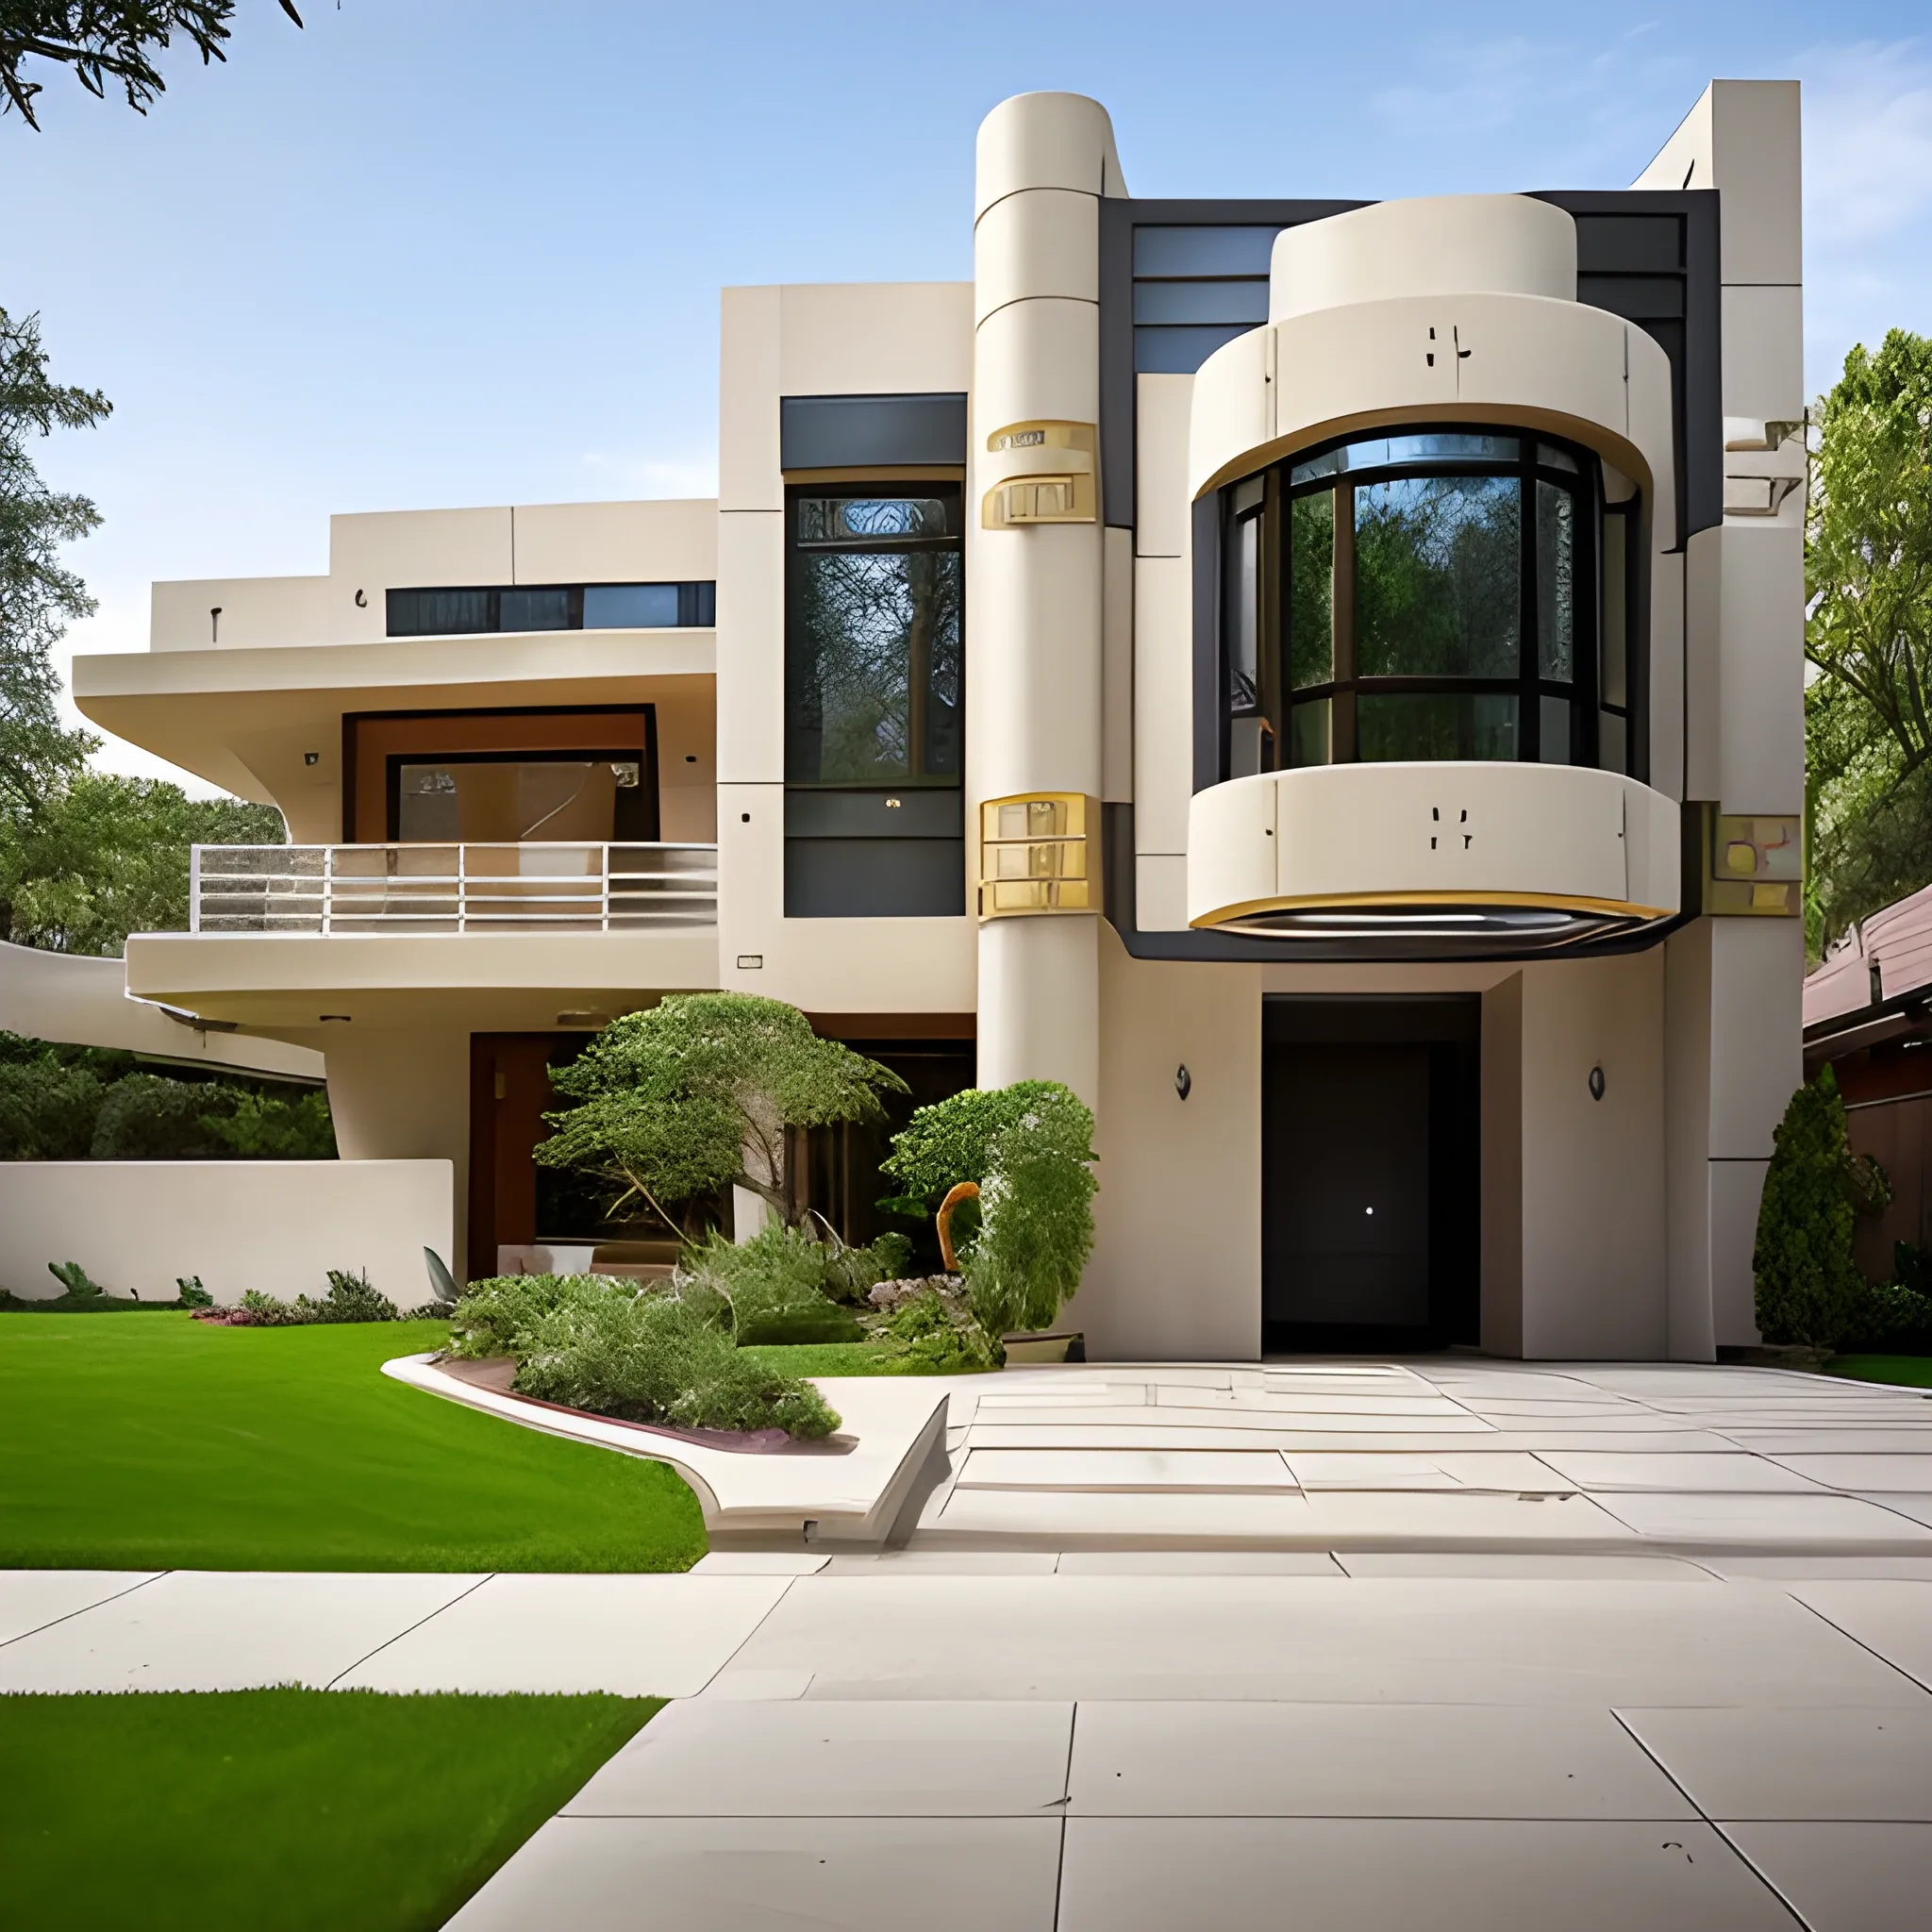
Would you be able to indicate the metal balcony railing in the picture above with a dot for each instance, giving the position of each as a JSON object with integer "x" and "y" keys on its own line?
{"x": 441, "y": 889}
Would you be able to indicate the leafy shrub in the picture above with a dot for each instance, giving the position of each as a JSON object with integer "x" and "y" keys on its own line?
{"x": 264, "y": 1127}
{"x": 786, "y": 1286}
{"x": 350, "y": 1298}
{"x": 1888, "y": 1317}
{"x": 73, "y": 1278}
{"x": 149, "y": 1117}
{"x": 74, "y": 1103}
{"x": 1809, "y": 1290}
{"x": 952, "y": 1142}
{"x": 595, "y": 1343}
{"x": 190, "y": 1292}
{"x": 1037, "y": 1201}
{"x": 47, "y": 1109}
{"x": 497, "y": 1316}
{"x": 938, "y": 1335}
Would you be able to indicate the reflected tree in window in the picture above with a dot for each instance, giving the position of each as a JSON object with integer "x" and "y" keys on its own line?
{"x": 874, "y": 671}
{"x": 1439, "y": 577}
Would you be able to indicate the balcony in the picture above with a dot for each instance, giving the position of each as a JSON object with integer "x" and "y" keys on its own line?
{"x": 1491, "y": 859}
{"x": 396, "y": 890}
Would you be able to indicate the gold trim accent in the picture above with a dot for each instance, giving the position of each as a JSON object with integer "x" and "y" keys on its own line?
{"x": 1039, "y": 853}
{"x": 1047, "y": 433}
{"x": 1020, "y": 501}
{"x": 1547, "y": 902}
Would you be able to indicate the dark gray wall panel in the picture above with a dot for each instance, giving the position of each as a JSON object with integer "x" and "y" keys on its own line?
{"x": 858, "y": 432}
{"x": 874, "y": 878}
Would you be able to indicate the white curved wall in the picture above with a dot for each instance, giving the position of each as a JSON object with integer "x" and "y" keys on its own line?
{"x": 1440, "y": 244}
{"x": 1426, "y": 833}
{"x": 1497, "y": 358}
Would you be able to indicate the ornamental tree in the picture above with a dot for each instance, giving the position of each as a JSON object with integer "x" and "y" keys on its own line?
{"x": 952, "y": 1142}
{"x": 695, "y": 1094}
{"x": 1809, "y": 1286}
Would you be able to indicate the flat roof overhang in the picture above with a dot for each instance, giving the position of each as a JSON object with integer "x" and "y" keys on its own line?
{"x": 244, "y": 719}
{"x": 283, "y": 984}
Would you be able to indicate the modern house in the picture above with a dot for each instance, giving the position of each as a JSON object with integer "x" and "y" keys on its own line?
{"x": 1321, "y": 678}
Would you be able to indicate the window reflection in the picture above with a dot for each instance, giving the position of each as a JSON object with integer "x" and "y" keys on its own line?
{"x": 1435, "y": 724}
{"x": 875, "y": 663}
{"x": 1439, "y": 577}
{"x": 1483, "y": 564}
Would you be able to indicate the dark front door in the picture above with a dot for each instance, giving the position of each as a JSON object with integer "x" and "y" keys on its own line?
{"x": 1369, "y": 1145}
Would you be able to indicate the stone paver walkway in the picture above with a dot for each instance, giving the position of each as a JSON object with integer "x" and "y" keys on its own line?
{"x": 1453, "y": 1645}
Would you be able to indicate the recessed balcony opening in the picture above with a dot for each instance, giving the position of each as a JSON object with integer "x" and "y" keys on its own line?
{"x": 1436, "y": 593}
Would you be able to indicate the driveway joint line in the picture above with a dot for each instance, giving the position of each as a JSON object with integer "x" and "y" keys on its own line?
{"x": 1737, "y": 1850}
{"x": 403, "y": 1632}
{"x": 1831, "y": 1625}
{"x": 53, "y": 1622}
{"x": 771, "y": 1609}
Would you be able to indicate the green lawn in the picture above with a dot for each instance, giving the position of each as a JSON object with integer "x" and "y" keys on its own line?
{"x": 1914, "y": 1370}
{"x": 280, "y": 1810}
{"x": 823, "y": 1358}
{"x": 166, "y": 1443}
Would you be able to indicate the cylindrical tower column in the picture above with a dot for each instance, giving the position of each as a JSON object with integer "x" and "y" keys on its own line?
{"x": 1033, "y": 608}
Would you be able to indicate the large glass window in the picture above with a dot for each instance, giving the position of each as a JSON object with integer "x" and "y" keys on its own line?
{"x": 1426, "y": 595}
{"x": 875, "y": 659}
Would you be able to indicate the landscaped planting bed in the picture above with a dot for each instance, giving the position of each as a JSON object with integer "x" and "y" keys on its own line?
{"x": 166, "y": 1443}
{"x": 281, "y": 1811}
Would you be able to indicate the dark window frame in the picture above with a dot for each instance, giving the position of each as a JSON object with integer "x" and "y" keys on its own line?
{"x": 953, "y": 542}
{"x": 1278, "y": 695}
{"x": 697, "y": 605}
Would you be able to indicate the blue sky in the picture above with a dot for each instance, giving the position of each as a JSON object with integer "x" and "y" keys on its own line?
{"x": 430, "y": 253}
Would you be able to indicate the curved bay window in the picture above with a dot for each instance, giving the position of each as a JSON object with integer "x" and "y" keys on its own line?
{"x": 1427, "y": 594}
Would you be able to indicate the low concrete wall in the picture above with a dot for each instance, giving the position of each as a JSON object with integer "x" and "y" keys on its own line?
{"x": 276, "y": 1225}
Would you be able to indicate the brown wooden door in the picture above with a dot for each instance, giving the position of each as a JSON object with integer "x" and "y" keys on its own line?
{"x": 509, "y": 1093}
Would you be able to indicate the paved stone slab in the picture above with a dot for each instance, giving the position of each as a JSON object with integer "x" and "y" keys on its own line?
{"x": 1354, "y": 1874}
{"x": 1504, "y": 1472}
{"x": 1734, "y": 1472}
{"x": 1342, "y": 1517}
{"x": 228, "y": 1630}
{"x": 1864, "y": 1471}
{"x": 31, "y": 1599}
{"x": 775, "y": 1875}
{"x": 1402, "y": 1639}
{"x": 1705, "y": 1518}
{"x": 1155, "y": 1760}
{"x": 818, "y": 1759}
{"x": 633, "y": 1635}
{"x": 1645, "y": 1566}
{"x": 1915, "y": 1506}
{"x": 1846, "y": 1877}
{"x": 1173, "y": 1471}
{"x": 1894, "y": 1618}
{"x": 1868, "y": 1766}
{"x": 1064, "y": 1518}
{"x": 1197, "y": 1563}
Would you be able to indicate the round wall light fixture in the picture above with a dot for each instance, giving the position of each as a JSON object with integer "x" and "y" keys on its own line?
{"x": 1183, "y": 1081}
{"x": 1596, "y": 1083}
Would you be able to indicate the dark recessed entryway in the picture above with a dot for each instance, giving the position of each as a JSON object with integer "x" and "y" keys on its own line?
{"x": 1370, "y": 1136}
